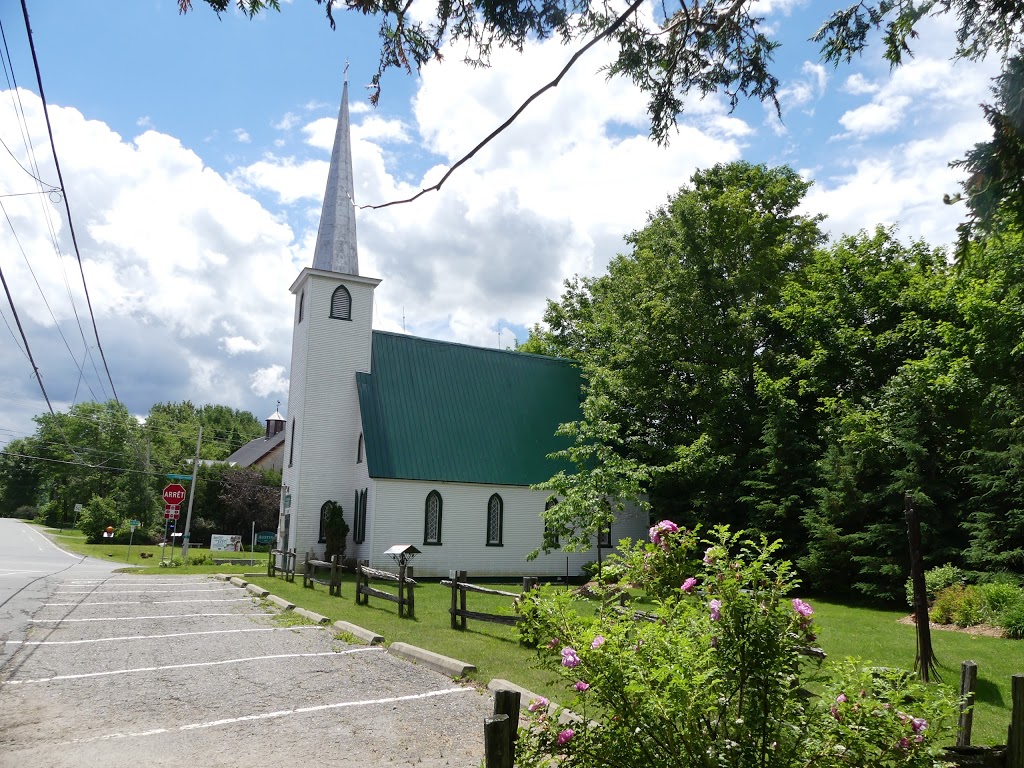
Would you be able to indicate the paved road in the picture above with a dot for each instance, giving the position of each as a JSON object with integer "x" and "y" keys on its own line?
{"x": 29, "y": 565}
{"x": 113, "y": 670}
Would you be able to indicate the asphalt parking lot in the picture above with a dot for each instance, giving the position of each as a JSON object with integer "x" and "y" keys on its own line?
{"x": 139, "y": 671}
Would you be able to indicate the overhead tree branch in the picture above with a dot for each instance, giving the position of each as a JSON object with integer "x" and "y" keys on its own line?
{"x": 611, "y": 29}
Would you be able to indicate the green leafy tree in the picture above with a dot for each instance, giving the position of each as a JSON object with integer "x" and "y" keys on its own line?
{"x": 674, "y": 341}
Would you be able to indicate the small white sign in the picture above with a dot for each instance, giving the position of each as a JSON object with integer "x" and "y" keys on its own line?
{"x": 222, "y": 542}
{"x": 78, "y": 507}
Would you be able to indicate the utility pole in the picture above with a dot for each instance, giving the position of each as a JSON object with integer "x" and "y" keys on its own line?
{"x": 191, "y": 498}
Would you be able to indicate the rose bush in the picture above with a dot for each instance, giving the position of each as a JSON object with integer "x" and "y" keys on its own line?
{"x": 716, "y": 673}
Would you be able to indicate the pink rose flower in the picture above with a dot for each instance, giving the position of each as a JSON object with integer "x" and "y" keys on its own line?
{"x": 553, "y": 643}
{"x": 688, "y": 585}
{"x": 565, "y": 736}
{"x": 716, "y": 609}
{"x": 569, "y": 658}
{"x": 841, "y": 698}
{"x": 537, "y": 704}
{"x": 709, "y": 556}
{"x": 581, "y": 686}
{"x": 918, "y": 724}
{"x": 598, "y": 642}
{"x": 802, "y": 608}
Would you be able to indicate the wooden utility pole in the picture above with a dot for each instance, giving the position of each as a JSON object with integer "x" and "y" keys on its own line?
{"x": 191, "y": 498}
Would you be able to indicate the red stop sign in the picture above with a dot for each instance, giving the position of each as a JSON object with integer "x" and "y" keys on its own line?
{"x": 174, "y": 494}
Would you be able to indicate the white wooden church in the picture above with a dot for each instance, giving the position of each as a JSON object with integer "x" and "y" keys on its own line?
{"x": 422, "y": 442}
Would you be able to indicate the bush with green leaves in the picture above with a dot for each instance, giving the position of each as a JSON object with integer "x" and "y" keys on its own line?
{"x": 1012, "y": 621}
{"x": 960, "y": 605}
{"x": 935, "y": 580}
{"x": 717, "y": 675}
{"x": 998, "y": 596}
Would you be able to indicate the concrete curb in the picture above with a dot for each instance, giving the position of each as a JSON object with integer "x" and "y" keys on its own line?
{"x": 222, "y": 576}
{"x": 565, "y": 716}
{"x": 443, "y": 664}
{"x": 525, "y": 695}
{"x": 238, "y": 582}
{"x": 366, "y": 635}
{"x": 258, "y": 591}
{"x": 280, "y": 602}
{"x": 316, "y": 618}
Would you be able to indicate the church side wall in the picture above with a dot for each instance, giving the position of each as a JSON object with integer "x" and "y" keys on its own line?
{"x": 398, "y": 517}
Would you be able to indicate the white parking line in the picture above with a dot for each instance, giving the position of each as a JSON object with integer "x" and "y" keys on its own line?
{"x": 161, "y": 602}
{"x": 160, "y": 637}
{"x": 279, "y": 713}
{"x": 108, "y": 673}
{"x": 139, "y": 618}
{"x": 142, "y": 592}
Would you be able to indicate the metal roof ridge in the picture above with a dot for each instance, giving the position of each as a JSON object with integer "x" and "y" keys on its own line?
{"x": 448, "y": 343}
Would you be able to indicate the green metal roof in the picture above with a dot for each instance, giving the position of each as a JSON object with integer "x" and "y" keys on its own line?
{"x": 434, "y": 410}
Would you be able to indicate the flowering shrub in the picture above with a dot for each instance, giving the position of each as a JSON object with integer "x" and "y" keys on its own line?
{"x": 717, "y": 676}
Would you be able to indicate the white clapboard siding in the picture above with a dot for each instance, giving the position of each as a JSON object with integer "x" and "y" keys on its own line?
{"x": 327, "y": 353}
{"x": 398, "y": 516}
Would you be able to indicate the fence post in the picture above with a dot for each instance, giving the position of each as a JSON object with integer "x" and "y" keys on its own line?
{"x": 507, "y": 703}
{"x": 335, "y": 588}
{"x": 359, "y": 582}
{"x": 410, "y": 586}
{"x": 401, "y": 591}
{"x": 1015, "y": 738}
{"x": 453, "y": 576}
{"x": 529, "y": 582}
{"x": 290, "y": 564}
{"x": 307, "y": 574}
{"x": 270, "y": 563}
{"x": 496, "y": 752}
{"x": 968, "y": 680}
{"x": 463, "y": 575}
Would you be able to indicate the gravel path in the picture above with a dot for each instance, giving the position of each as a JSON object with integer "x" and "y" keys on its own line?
{"x": 149, "y": 671}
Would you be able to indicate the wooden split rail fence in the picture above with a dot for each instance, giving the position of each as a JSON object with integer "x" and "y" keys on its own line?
{"x": 309, "y": 578}
{"x": 458, "y": 611}
{"x": 406, "y": 597}
{"x": 288, "y": 557}
{"x": 967, "y": 756}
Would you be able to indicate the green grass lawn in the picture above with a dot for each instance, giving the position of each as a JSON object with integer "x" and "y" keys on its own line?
{"x": 870, "y": 634}
{"x": 74, "y": 541}
{"x": 874, "y": 635}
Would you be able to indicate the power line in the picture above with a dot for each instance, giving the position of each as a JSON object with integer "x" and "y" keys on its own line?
{"x": 67, "y": 206}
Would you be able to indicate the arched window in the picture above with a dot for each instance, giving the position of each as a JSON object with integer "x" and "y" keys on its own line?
{"x": 324, "y": 509}
{"x": 495, "y": 513}
{"x": 302, "y": 302}
{"x": 291, "y": 446}
{"x": 432, "y": 519}
{"x": 359, "y": 449}
{"x": 550, "y": 534}
{"x": 341, "y": 303}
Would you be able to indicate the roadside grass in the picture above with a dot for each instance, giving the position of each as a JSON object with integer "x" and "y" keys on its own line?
{"x": 875, "y": 636}
{"x": 147, "y": 557}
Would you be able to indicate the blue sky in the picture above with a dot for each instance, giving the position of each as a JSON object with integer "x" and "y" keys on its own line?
{"x": 194, "y": 150}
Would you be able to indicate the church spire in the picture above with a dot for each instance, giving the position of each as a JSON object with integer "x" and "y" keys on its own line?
{"x": 336, "y": 239}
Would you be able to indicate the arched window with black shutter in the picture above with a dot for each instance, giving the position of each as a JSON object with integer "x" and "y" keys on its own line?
{"x": 341, "y": 303}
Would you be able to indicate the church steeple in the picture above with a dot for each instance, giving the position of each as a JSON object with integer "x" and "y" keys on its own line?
{"x": 336, "y": 239}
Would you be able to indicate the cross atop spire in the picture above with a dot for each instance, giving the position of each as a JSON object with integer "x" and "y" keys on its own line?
{"x": 336, "y": 239}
